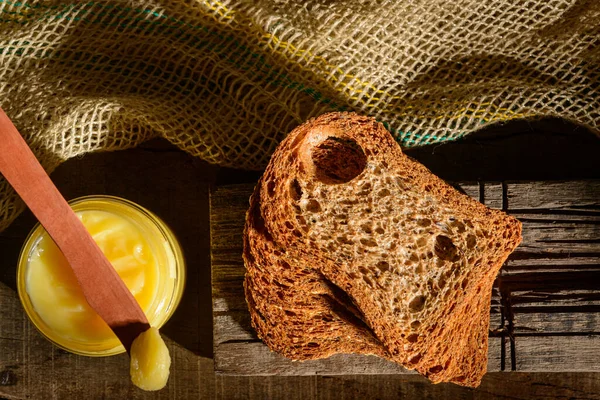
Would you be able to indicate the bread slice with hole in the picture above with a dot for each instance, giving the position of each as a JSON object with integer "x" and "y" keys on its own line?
{"x": 293, "y": 308}
{"x": 417, "y": 257}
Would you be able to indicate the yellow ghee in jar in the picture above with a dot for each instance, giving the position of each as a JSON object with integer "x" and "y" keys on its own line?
{"x": 56, "y": 295}
{"x": 143, "y": 251}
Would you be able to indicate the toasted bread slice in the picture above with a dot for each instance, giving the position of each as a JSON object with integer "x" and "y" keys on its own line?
{"x": 417, "y": 257}
{"x": 293, "y": 308}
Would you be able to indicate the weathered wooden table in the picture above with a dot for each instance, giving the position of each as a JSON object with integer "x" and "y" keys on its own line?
{"x": 545, "y": 311}
{"x": 176, "y": 186}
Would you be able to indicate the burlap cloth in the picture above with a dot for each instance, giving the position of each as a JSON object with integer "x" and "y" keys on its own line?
{"x": 225, "y": 81}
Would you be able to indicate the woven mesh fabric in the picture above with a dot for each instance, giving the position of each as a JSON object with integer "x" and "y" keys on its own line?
{"x": 226, "y": 80}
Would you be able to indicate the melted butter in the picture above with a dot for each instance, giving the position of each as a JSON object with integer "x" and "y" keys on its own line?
{"x": 150, "y": 361}
{"x": 56, "y": 295}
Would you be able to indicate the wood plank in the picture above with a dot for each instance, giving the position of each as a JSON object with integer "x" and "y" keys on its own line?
{"x": 556, "y": 323}
{"x": 495, "y": 385}
{"x": 493, "y": 195}
{"x": 496, "y": 309}
{"x": 559, "y": 237}
{"x": 553, "y": 272}
{"x": 555, "y": 301}
{"x": 554, "y": 221}
{"x": 265, "y": 387}
{"x": 229, "y": 302}
{"x": 558, "y": 353}
{"x": 234, "y": 326}
{"x": 554, "y": 196}
{"x": 550, "y": 281}
{"x": 238, "y": 340}
{"x": 544, "y": 264}
{"x": 254, "y": 358}
{"x": 471, "y": 189}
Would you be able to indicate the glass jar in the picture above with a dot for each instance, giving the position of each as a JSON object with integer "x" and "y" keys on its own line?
{"x": 168, "y": 275}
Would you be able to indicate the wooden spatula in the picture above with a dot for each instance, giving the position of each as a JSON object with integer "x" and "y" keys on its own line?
{"x": 102, "y": 287}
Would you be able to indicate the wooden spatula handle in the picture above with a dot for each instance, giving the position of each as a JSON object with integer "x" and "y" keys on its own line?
{"x": 102, "y": 287}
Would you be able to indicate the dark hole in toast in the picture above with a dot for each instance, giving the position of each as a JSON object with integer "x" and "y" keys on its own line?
{"x": 445, "y": 249}
{"x": 338, "y": 160}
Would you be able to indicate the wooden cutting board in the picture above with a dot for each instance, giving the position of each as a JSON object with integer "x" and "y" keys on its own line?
{"x": 545, "y": 311}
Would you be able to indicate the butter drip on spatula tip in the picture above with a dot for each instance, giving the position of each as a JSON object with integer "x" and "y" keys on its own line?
{"x": 149, "y": 361}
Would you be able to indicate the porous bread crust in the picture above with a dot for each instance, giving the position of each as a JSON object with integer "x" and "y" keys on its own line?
{"x": 292, "y": 308}
{"x": 383, "y": 238}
